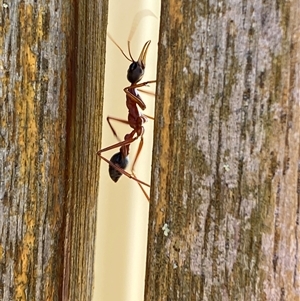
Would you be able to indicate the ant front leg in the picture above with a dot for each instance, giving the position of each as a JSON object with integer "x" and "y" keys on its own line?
{"x": 135, "y": 97}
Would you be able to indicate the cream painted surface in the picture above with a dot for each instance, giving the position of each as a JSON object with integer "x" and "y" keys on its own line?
{"x": 122, "y": 207}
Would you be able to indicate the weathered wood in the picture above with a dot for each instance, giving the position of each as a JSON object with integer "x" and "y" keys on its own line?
{"x": 52, "y": 65}
{"x": 226, "y": 175}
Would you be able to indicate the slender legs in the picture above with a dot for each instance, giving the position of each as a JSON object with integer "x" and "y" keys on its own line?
{"x": 124, "y": 149}
{"x": 128, "y": 139}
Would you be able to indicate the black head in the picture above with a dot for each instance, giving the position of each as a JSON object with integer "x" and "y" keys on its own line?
{"x": 119, "y": 160}
{"x": 135, "y": 72}
{"x": 136, "y": 69}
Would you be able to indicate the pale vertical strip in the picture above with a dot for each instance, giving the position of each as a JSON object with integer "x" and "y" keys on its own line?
{"x": 123, "y": 209}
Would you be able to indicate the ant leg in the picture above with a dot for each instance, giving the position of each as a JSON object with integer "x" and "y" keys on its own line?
{"x": 138, "y": 153}
{"x": 150, "y": 117}
{"x": 123, "y": 172}
{"x": 116, "y": 167}
{"x": 119, "y": 144}
{"x": 146, "y": 92}
{"x": 141, "y": 84}
{"x": 111, "y": 127}
{"x": 132, "y": 169}
{"x": 135, "y": 98}
{"x": 121, "y": 121}
{"x": 144, "y": 191}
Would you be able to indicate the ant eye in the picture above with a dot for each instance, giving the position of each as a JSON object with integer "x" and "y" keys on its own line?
{"x": 133, "y": 66}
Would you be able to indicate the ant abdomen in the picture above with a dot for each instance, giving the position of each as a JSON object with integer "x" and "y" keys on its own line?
{"x": 119, "y": 160}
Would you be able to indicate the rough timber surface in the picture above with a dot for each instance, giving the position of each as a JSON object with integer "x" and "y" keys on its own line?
{"x": 224, "y": 209}
{"x": 50, "y": 97}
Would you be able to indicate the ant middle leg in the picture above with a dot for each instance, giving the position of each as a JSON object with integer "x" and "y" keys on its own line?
{"x": 111, "y": 127}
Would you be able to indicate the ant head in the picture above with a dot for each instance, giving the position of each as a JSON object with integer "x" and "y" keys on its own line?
{"x": 135, "y": 72}
{"x": 136, "y": 69}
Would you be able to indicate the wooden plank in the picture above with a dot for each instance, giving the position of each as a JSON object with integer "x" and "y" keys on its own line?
{"x": 224, "y": 209}
{"x": 52, "y": 65}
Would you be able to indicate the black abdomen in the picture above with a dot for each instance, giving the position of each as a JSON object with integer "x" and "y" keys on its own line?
{"x": 119, "y": 161}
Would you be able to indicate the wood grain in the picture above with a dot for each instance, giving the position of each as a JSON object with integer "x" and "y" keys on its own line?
{"x": 51, "y": 69}
{"x": 226, "y": 153}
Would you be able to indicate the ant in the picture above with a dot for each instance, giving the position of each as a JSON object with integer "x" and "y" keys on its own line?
{"x": 119, "y": 161}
